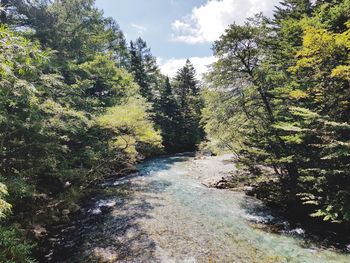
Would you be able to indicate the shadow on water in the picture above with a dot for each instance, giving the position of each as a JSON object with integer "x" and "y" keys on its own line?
{"x": 115, "y": 225}
{"x": 310, "y": 233}
{"x": 108, "y": 228}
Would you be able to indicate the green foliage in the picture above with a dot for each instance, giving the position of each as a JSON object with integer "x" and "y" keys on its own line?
{"x": 4, "y": 206}
{"x": 71, "y": 113}
{"x": 13, "y": 249}
{"x": 189, "y": 101}
{"x": 131, "y": 127}
{"x": 77, "y": 105}
{"x": 76, "y": 29}
{"x": 143, "y": 66}
{"x": 98, "y": 83}
{"x": 168, "y": 117}
{"x": 176, "y": 106}
{"x": 279, "y": 96}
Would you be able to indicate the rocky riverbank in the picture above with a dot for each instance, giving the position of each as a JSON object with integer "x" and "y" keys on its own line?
{"x": 221, "y": 173}
{"x": 165, "y": 213}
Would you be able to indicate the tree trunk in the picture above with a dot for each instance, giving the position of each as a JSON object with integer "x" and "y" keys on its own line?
{"x": 267, "y": 104}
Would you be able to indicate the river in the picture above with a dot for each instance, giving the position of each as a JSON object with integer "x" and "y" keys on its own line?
{"x": 166, "y": 214}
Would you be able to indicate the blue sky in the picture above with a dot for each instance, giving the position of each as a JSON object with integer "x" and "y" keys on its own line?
{"x": 180, "y": 29}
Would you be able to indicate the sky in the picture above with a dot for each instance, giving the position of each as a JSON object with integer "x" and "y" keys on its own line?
{"x": 177, "y": 30}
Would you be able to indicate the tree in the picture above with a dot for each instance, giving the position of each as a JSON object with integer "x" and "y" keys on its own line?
{"x": 168, "y": 116}
{"x": 144, "y": 68}
{"x": 278, "y": 96}
{"x": 75, "y": 29}
{"x": 321, "y": 113}
{"x": 242, "y": 86}
{"x": 71, "y": 113}
{"x": 292, "y": 9}
{"x": 190, "y": 104}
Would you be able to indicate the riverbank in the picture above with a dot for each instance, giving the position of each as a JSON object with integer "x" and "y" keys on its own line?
{"x": 221, "y": 173}
{"x": 165, "y": 213}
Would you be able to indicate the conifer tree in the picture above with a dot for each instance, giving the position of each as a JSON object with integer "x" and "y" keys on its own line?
{"x": 188, "y": 97}
{"x": 168, "y": 117}
{"x": 144, "y": 68}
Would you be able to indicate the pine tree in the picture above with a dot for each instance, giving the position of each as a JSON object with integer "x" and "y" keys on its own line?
{"x": 168, "y": 105}
{"x": 144, "y": 68}
{"x": 186, "y": 84}
{"x": 294, "y": 9}
{"x": 168, "y": 117}
{"x": 189, "y": 100}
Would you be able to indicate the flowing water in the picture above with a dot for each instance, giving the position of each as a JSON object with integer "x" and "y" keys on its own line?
{"x": 166, "y": 214}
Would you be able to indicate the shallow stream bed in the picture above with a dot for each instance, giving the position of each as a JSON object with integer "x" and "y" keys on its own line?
{"x": 167, "y": 214}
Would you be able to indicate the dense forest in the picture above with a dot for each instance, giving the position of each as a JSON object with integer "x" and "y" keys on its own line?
{"x": 79, "y": 104}
{"x": 279, "y": 96}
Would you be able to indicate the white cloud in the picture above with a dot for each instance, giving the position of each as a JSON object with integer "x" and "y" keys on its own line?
{"x": 140, "y": 29}
{"x": 171, "y": 66}
{"x": 208, "y": 22}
